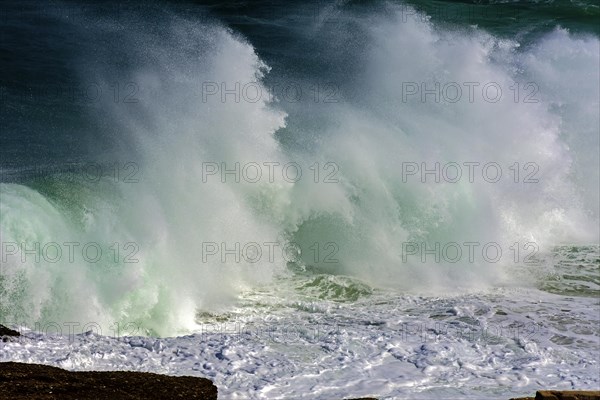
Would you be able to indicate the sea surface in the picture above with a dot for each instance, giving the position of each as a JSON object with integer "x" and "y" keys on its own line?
{"x": 305, "y": 200}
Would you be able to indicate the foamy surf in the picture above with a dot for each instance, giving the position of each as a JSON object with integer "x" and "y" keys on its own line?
{"x": 393, "y": 195}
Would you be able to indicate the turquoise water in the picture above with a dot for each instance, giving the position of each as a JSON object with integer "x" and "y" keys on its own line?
{"x": 411, "y": 188}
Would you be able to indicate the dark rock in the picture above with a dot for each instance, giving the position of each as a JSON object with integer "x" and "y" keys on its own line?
{"x": 567, "y": 395}
{"x": 34, "y": 381}
{"x": 4, "y": 331}
{"x": 564, "y": 395}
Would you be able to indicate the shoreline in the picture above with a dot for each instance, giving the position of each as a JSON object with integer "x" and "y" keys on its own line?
{"x": 37, "y": 381}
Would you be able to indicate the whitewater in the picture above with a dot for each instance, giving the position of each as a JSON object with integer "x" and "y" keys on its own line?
{"x": 400, "y": 208}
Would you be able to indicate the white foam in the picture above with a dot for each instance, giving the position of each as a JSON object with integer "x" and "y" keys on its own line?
{"x": 387, "y": 346}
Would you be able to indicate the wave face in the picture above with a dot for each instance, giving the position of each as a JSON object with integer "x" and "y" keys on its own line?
{"x": 362, "y": 105}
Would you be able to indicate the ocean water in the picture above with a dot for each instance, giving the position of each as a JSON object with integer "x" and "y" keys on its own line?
{"x": 312, "y": 200}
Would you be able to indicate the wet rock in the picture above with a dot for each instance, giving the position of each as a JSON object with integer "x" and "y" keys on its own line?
{"x": 563, "y": 395}
{"x": 4, "y": 331}
{"x": 34, "y": 381}
{"x": 567, "y": 395}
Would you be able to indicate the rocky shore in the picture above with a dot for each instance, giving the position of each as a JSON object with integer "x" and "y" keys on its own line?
{"x": 563, "y": 395}
{"x": 6, "y": 332}
{"x": 34, "y": 381}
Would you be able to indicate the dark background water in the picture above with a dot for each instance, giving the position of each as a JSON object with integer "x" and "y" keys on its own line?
{"x": 51, "y": 115}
